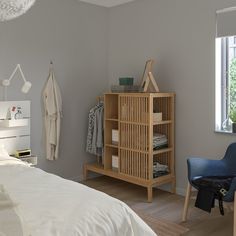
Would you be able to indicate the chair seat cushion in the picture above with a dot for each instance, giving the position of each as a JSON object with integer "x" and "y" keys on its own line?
{"x": 213, "y": 183}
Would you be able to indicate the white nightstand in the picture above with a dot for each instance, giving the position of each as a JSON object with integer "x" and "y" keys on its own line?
{"x": 30, "y": 159}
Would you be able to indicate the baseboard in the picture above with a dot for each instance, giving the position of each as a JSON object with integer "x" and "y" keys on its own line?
{"x": 181, "y": 191}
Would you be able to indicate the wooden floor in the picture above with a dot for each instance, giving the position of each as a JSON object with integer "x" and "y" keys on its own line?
{"x": 166, "y": 206}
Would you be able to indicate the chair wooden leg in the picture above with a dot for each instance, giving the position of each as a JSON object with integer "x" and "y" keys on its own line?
{"x": 186, "y": 203}
{"x": 234, "y": 214}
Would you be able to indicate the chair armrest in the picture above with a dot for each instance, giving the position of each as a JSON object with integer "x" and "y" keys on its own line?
{"x": 198, "y": 166}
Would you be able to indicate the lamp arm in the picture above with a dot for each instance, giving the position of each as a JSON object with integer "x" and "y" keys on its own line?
{"x": 13, "y": 73}
{"x": 18, "y": 67}
{"x": 21, "y": 72}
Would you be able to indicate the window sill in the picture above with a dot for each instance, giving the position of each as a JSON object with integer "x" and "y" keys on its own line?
{"x": 224, "y": 132}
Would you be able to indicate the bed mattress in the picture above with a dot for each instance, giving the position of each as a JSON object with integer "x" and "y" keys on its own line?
{"x": 48, "y": 205}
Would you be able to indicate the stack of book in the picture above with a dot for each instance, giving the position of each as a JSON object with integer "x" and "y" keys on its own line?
{"x": 125, "y": 88}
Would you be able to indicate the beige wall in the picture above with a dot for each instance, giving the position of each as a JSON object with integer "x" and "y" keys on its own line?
{"x": 85, "y": 42}
{"x": 75, "y": 36}
{"x": 180, "y": 36}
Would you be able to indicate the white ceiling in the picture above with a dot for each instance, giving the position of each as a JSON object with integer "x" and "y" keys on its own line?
{"x": 107, "y": 3}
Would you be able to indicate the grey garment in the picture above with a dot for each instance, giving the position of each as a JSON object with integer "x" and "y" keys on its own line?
{"x": 100, "y": 137}
{"x": 90, "y": 130}
{"x": 95, "y": 130}
{"x": 91, "y": 120}
{"x": 100, "y": 128}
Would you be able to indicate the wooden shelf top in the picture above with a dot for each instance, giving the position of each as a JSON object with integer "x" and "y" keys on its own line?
{"x": 157, "y": 95}
{"x": 171, "y": 94}
{"x": 140, "y": 123}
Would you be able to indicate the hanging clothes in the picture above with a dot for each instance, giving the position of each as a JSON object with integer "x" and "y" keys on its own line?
{"x": 95, "y": 130}
{"x": 52, "y": 116}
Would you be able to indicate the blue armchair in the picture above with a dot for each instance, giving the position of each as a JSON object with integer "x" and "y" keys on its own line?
{"x": 198, "y": 166}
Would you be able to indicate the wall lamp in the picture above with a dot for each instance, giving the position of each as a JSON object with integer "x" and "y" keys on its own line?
{"x": 26, "y": 86}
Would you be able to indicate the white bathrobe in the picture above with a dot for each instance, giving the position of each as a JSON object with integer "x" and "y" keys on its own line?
{"x": 52, "y": 112}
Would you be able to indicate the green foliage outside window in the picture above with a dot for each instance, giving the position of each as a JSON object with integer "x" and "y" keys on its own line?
{"x": 232, "y": 92}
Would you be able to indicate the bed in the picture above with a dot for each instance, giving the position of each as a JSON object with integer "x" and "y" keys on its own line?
{"x": 33, "y": 202}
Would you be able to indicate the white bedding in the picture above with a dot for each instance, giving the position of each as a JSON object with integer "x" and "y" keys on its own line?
{"x": 52, "y": 206}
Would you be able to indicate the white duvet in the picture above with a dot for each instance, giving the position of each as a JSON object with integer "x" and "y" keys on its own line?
{"x": 52, "y": 206}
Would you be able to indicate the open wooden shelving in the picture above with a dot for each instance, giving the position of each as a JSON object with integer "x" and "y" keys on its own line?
{"x": 132, "y": 115}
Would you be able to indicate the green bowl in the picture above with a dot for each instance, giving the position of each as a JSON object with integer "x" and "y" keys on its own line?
{"x": 126, "y": 81}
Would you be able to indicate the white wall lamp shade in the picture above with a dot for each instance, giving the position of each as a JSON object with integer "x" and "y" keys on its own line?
{"x": 10, "y": 9}
{"x": 26, "y": 87}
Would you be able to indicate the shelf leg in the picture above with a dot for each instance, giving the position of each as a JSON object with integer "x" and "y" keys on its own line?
{"x": 173, "y": 186}
{"x": 149, "y": 193}
{"x": 85, "y": 172}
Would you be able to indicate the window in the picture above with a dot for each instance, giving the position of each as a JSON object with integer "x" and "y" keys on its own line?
{"x": 225, "y": 70}
{"x": 225, "y": 80}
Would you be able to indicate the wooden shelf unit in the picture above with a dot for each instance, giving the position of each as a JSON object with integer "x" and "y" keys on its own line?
{"x": 132, "y": 115}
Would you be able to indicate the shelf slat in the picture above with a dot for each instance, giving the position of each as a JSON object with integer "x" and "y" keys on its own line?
{"x": 164, "y": 122}
{"x": 163, "y": 179}
{"x": 98, "y": 168}
{"x": 111, "y": 119}
{"x": 134, "y": 123}
{"x": 111, "y": 145}
{"x": 155, "y": 152}
{"x": 134, "y": 150}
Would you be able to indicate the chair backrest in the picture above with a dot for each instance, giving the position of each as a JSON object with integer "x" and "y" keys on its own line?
{"x": 230, "y": 158}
